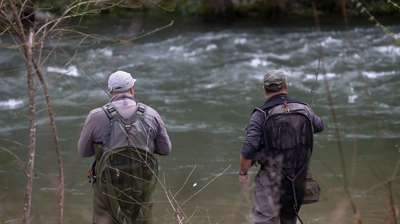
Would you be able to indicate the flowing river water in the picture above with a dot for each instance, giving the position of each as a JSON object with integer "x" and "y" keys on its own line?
{"x": 204, "y": 80}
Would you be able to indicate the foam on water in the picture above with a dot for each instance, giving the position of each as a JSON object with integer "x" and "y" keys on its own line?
{"x": 387, "y": 50}
{"x": 256, "y": 62}
{"x": 374, "y": 75}
{"x": 211, "y": 47}
{"x": 176, "y": 48}
{"x": 70, "y": 71}
{"x": 100, "y": 52}
{"x": 11, "y": 104}
{"x": 240, "y": 41}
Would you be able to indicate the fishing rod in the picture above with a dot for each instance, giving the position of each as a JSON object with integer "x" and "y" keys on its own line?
{"x": 315, "y": 82}
{"x": 73, "y": 61}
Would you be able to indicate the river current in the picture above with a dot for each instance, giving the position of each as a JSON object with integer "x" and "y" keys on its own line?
{"x": 204, "y": 80}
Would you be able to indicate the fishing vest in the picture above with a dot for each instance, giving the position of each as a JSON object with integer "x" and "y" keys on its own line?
{"x": 127, "y": 170}
{"x": 133, "y": 131}
{"x": 287, "y": 133}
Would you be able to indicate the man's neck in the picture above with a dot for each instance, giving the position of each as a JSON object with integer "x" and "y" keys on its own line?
{"x": 121, "y": 95}
{"x": 269, "y": 95}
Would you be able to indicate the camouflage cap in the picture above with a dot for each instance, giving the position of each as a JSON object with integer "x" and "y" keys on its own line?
{"x": 276, "y": 78}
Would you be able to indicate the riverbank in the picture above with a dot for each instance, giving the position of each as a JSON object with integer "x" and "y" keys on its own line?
{"x": 229, "y": 10}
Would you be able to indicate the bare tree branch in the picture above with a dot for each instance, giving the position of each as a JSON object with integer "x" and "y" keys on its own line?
{"x": 56, "y": 142}
{"x": 32, "y": 127}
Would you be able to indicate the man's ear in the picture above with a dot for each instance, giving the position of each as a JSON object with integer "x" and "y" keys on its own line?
{"x": 131, "y": 91}
{"x": 265, "y": 90}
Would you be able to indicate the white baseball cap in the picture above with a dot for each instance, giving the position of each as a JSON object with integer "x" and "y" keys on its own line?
{"x": 120, "y": 82}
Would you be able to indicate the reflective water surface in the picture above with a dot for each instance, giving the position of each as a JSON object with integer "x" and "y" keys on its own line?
{"x": 204, "y": 80}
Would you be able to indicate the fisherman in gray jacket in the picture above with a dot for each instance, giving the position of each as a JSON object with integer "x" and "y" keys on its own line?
{"x": 120, "y": 87}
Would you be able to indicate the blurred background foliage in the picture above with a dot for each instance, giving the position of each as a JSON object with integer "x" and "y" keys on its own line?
{"x": 223, "y": 10}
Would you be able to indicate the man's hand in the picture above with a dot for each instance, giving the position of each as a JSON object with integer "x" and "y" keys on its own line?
{"x": 243, "y": 180}
{"x": 245, "y": 164}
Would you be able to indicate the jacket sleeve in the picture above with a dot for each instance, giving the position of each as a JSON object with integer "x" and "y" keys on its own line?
{"x": 318, "y": 124}
{"x": 93, "y": 131}
{"x": 254, "y": 133}
{"x": 162, "y": 143}
{"x": 85, "y": 143}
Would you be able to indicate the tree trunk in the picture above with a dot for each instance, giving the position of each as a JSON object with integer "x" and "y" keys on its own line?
{"x": 217, "y": 10}
{"x": 271, "y": 9}
{"x": 32, "y": 127}
{"x": 27, "y": 45}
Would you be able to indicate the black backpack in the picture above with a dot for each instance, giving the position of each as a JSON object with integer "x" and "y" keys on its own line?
{"x": 287, "y": 148}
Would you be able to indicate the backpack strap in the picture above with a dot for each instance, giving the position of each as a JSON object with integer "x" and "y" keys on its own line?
{"x": 141, "y": 108}
{"x": 111, "y": 110}
{"x": 139, "y": 111}
{"x": 277, "y": 100}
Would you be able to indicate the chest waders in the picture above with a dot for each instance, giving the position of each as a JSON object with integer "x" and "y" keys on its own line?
{"x": 288, "y": 139}
{"x": 127, "y": 169}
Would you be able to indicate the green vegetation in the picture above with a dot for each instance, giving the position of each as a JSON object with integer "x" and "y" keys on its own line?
{"x": 364, "y": 9}
{"x": 226, "y": 10}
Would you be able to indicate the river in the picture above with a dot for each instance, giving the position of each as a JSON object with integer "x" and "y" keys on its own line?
{"x": 204, "y": 80}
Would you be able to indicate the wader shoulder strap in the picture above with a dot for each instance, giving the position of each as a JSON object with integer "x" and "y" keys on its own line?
{"x": 111, "y": 110}
{"x": 138, "y": 113}
{"x": 141, "y": 108}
